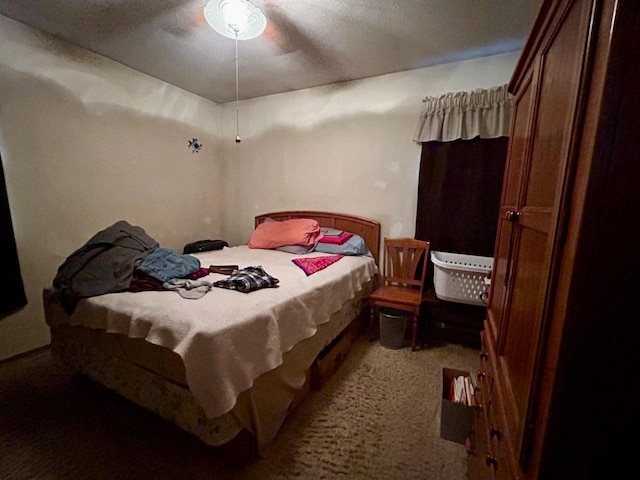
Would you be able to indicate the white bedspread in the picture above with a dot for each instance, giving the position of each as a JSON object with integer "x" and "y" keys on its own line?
{"x": 228, "y": 338}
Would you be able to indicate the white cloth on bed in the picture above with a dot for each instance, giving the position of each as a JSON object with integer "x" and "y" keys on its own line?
{"x": 191, "y": 289}
{"x": 227, "y": 338}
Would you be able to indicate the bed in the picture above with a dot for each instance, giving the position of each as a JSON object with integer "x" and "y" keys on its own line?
{"x": 227, "y": 367}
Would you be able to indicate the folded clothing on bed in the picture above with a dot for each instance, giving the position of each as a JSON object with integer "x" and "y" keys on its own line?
{"x": 354, "y": 246}
{"x": 164, "y": 264}
{"x": 311, "y": 265}
{"x": 337, "y": 239}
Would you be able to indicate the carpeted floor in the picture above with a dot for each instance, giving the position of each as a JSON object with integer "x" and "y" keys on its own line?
{"x": 378, "y": 417}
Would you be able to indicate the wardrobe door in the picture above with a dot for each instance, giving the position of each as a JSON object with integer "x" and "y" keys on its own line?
{"x": 519, "y": 142}
{"x": 533, "y": 245}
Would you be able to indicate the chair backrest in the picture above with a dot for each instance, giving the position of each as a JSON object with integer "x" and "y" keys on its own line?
{"x": 405, "y": 262}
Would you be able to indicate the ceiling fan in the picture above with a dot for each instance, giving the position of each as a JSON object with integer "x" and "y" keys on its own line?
{"x": 249, "y": 19}
{"x": 278, "y": 26}
{"x": 241, "y": 20}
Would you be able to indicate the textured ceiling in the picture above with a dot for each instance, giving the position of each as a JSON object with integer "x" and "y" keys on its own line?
{"x": 307, "y": 42}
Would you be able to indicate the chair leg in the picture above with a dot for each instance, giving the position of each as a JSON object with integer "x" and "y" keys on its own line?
{"x": 372, "y": 324}
{"x": 414, "y": 333}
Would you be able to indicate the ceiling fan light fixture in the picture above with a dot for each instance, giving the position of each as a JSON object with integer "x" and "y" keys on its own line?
{"x": 237, "y": 19}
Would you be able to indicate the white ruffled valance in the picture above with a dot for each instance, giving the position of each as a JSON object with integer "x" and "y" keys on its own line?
{"x": 465, "y": 115}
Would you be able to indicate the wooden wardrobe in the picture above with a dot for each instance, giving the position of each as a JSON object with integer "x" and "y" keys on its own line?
{"x": 558, "y": 365}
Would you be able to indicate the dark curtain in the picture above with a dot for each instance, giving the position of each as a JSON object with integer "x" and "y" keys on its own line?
{"x": 13, "y": 295}
{"x": 459, "y": 194}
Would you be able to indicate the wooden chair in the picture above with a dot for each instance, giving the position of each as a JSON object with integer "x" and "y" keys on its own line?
{"x": 404, "y": 268}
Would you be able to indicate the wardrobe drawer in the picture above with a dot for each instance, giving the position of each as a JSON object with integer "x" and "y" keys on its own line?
{"x": 478, "y": 450}
{"x": 487, "y": 363}
{"x": 485, "y": 387}
{"x": 498, "y": 439}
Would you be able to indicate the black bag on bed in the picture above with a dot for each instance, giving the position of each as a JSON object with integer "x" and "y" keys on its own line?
{"x": 204, "y": 246}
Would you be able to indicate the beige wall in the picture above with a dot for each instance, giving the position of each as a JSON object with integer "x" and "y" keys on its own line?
{"x": 86, "y": 142}
{"x": 344, "y": 147}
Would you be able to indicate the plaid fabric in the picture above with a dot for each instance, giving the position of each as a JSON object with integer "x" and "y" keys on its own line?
{"x": 247, "y": 280}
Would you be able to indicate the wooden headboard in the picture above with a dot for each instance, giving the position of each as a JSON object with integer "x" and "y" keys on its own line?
{"x": 367, "y": 229}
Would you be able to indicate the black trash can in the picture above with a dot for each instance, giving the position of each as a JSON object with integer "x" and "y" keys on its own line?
{"x": 393, "y": 325}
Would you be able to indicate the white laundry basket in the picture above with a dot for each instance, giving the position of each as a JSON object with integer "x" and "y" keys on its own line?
{"x": 460, "y": 278}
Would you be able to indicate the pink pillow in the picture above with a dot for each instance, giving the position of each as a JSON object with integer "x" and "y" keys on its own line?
{"x": 336, "y": 239}
{"x": 297, "y": 231}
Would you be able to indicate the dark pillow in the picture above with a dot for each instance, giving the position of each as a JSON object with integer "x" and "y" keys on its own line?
{"x": 296, "y": 249}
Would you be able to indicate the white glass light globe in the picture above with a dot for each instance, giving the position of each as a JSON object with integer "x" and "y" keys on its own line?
{"x": 235, "y": 18}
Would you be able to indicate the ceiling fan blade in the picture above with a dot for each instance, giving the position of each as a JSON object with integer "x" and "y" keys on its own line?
{"x": 185, "y": 22}
{"x": 288, "y": 37}
{"x": 275, "y": 36}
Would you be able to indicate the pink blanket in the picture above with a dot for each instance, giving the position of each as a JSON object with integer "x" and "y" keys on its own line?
{"x": 310, "y": 265}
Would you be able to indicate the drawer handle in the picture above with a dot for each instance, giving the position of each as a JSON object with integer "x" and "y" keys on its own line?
{"x": 469, "y": 443}
{"x": 484, "y": 355}
{"x": 481, "y": 374}
{"x": 491, "y": 461}
{"x": 495, "y": 432}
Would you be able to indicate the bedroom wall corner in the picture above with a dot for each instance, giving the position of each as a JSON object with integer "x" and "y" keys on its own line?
{"x": 85, "y": 142}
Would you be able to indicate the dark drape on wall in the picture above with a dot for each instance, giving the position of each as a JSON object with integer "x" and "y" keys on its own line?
{"x": 13, "y": 295}
{"x": 459, "y": 194}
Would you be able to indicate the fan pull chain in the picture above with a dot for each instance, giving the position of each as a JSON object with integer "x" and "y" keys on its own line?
{"x": 238, "y": 139}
